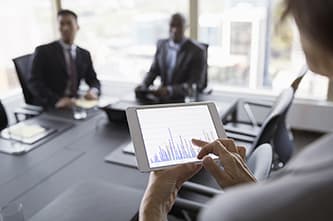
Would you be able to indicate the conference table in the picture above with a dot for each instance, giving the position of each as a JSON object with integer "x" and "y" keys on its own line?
{"x": 77, "y": 155}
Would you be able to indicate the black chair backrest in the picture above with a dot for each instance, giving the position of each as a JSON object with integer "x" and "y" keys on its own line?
{"x": 3, "y": 117}
{"x": 23, "y": 66}
{"x": 276, "y": 117}
{"x": 299, "y": 78}
{"x": 205, "y": 80}
{"x": 275, "y": 128}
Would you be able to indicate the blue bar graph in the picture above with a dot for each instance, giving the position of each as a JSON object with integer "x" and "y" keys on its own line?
{"x": 179, "y": 148}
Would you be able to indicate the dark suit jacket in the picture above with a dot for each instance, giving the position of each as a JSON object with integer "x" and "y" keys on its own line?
{"x": 49, "y": 75}
{"x": 190, "y": 67}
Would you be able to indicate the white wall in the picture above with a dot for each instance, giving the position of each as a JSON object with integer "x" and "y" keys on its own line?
{"x": 315, "y": 116}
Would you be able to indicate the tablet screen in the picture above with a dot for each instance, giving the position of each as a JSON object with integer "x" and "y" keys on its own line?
{"x": 167, "y": 133}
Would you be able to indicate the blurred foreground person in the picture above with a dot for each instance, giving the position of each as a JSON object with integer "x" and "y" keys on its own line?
{"x": 302, "y": 191}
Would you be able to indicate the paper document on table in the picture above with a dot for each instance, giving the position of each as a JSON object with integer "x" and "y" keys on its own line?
{"x": 86, "y": 104}
{"x": 24, "y": 131}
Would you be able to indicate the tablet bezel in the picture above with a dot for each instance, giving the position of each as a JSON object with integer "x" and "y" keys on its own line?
{"x": 137, "y": 137}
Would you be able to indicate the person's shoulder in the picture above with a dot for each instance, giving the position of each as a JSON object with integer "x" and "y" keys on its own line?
{"x": 83, "y": 51}
{"x": 195, "y": 45}
{"x": 48, "y": 46}
{"x": 162, "y": 42}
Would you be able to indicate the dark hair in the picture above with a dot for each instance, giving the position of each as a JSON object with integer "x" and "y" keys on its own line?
{"x": 67, "y": 12}
{"x": 314, "y": 18}
{"x": 179, "y": 16}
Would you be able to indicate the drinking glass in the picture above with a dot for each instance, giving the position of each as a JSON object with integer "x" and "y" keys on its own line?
{"x": 192, "y": 93}
{"x": 12, "y": 212}
{"x": 79, "y": 113}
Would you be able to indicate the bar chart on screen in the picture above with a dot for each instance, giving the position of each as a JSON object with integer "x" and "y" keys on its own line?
{"x": 168, "y": 133}
{"x": 179, "y": 148}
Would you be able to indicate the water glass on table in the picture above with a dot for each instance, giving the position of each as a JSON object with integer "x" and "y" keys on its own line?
{"x": 12, "y": 212}
{"x": 192, "y": 93}
{"x": 79, "y": 113}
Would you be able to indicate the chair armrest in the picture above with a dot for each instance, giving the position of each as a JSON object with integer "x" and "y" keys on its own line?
{"x": 240, "y": 137}
{"x": 231, "y": 113}
{"x": 33, "y": 108}
{"x": 233, "y": 130}
{"x": 250, "y": 115}
{"x": 193, "y": 206}
{"x": 258, "y": 103}
{"x": 26, "y": 113}
{"x": 201, "y": 189}
{"x": 247, "y": 107}
{"x": 188, "y": 205}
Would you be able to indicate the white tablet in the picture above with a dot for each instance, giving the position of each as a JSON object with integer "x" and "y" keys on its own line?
{"x": 162, "y": 134}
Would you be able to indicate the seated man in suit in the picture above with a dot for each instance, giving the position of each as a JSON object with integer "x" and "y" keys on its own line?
{"x": 58, "y": 67}
{"x": 178, "y": 61}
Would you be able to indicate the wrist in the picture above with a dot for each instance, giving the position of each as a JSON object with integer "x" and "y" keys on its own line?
{"x": 155, "y": 205}
{"x": 150, "y": 211}
{"x": 155, "y": 197}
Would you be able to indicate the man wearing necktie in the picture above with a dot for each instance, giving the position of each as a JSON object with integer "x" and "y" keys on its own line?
{"x": 178, "y": 61}
{"x": 59, "y": 67}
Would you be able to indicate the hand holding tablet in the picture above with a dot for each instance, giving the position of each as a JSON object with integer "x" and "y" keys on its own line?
{"x": 162, "y": 134}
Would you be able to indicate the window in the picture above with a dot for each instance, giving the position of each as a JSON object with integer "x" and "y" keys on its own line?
{"x": 25, "y": 24}
{"x": 122, "y": 34}
{"x": 234, "y": 31}
{"x": 250, "y": 48}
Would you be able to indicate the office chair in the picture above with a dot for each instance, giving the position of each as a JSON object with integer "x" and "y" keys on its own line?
{"x": 252, "y": 128}
{"x": 295, "y": 84}
{"x": 23, "y": 66}
{"x": 260, "y": 164}
{"x": 205, "y": 77}
{"x": 3, "y": 117}
{"x": 273, "y": 129}
{"x": 202, "y": 88}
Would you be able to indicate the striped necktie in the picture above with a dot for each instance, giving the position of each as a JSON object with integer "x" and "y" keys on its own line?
{"x": 72, "y": 73}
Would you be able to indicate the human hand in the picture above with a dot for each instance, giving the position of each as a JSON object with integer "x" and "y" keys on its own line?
{"x": 65, "y": 102}
{"x": 232, "y": 158}
{"x": 162, "y": 189}
{"x": 91, "y": 94}
{"x": 161, "y": 92}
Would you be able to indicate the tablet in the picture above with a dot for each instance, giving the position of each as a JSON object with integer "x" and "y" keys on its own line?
{"x": 162, "y": 134}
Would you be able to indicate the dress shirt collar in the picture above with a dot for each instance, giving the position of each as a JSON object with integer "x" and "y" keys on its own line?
{"x": 176, "y": 46}
{"x": 67, "y": 47}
